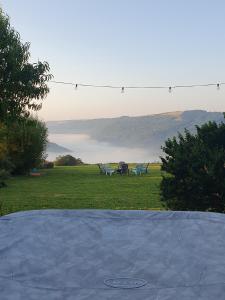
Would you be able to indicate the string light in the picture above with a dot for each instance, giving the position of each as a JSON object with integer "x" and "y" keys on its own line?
{"x": 122, "y": 88}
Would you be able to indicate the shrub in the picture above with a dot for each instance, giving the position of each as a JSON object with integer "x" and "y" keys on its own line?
{"x": 3, "y": 175}
{"x": 27, "y": 142}
{"x": 67, "y": 160}
{"x": 195, "y": 166}
{"x": 5, "y": 165}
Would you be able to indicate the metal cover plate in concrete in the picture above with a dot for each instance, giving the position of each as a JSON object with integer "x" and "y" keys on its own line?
{"x": 105, "y": 254}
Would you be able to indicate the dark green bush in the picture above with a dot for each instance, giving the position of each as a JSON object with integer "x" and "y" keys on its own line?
{"x": 195, "y": 166}
{"x": 3, "y": 175}
{"x": 27, "y": 140}
{"x": 5, "y": 168}
{"x": 67, "y": 160}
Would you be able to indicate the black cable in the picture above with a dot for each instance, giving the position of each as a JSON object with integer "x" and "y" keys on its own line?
{"x": 138, "y": 87}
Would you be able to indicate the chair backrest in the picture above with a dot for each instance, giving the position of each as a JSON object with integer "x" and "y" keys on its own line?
{"x": 143, "y": 168}
{"x": 146, "y": 170}
{"x": 120, "y": 164}
{"x": 101, "y": 168}
{"x": 140, "y": 168}
{"x": 139, "y": 165}
{"x": 124, "y": 168}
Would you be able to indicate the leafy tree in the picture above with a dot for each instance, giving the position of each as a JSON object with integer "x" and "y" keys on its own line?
{"x": 195, "y": 170}
{"x": 22, "y": 84}
{"x": 22, "y": 87}
{"x": 67, "y": 160}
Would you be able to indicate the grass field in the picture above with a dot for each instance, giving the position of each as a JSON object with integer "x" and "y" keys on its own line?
{"x": 82, "y": 187}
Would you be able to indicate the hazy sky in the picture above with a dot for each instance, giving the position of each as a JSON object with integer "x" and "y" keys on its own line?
{"x": 125, "y": 42}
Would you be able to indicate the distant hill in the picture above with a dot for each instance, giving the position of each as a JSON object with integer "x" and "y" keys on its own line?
{"x": 143, "y": 132}
{"x": 54, "y": 148}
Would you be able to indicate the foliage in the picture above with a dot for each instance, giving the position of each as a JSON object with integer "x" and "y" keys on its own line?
{"x": 3, "y": 144}
{"x": 68, "y": 160}
{"x": 3, "y": 175}
{"x": 27, "y": 140}
{"x": 22, "y": 87}
{"x": 3, "y": 147}
{"x": 5, "y": 165}
{"x": 195, "y": 164}
{"x": 22, "y": 84}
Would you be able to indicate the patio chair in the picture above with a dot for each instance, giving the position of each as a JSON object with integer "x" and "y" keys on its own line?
{"x": 140, "y": 169}
{"x": 108, "y": 170}
{"x": 105, "y": 169}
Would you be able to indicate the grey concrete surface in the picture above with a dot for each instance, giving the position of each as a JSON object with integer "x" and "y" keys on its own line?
{"x": 104, "y": 254}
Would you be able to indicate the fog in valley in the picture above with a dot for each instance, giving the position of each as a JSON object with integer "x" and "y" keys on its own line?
{"x": 92, "y": 151}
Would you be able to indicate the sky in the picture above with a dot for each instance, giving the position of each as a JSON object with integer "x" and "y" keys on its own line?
{"x": 125, "y": 42}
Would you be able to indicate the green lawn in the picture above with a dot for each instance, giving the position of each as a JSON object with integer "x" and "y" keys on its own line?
{"x": 82, "y": 187}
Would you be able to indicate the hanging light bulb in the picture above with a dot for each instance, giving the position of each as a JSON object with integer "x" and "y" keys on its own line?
{"x": 170, "y": 89}
{"x": 122, "y": 89}
{"x": 218, "y": 86}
